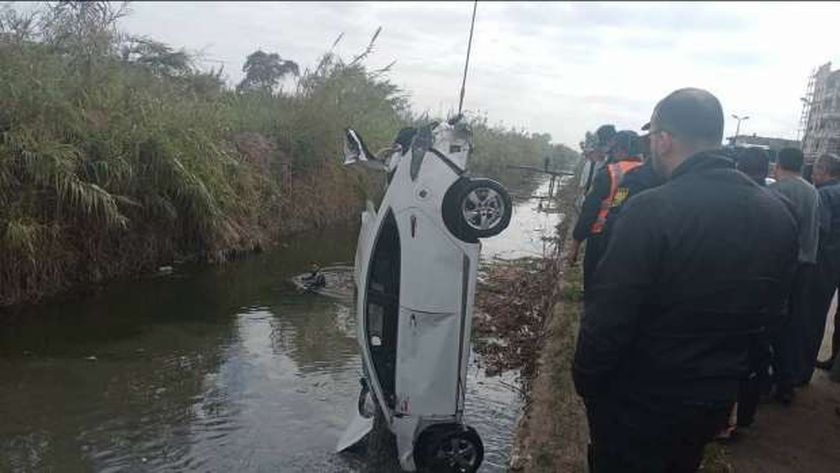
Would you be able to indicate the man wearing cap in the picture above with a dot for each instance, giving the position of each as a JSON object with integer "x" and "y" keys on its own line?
{"x": 635, "y": 180}
{"x": 596, "y": 206}
{"x": 694, "y": 270}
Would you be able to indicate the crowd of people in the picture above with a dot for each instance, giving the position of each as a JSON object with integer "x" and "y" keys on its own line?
{"x": 707, "y": 283}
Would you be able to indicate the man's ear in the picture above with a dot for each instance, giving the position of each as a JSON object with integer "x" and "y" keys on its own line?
{"x": 666, "y": 144}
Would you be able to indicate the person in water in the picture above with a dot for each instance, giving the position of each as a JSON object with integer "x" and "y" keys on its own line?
{"x": 315, "y": 279}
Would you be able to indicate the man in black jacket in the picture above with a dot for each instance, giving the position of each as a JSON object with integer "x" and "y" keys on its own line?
{"x": 826, "y": 176}
{"x": 694, "y": 271}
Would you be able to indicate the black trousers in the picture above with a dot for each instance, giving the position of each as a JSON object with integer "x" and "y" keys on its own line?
{"x": 756, "y": 382}
{"x": 651, "y": 436}
{"x": 788, "y": 339}
{"x": 823, "y": 283}
{"x": 591, "y": 258}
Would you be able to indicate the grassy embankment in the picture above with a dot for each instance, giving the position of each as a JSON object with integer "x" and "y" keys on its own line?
{"x": 118, "y": 155}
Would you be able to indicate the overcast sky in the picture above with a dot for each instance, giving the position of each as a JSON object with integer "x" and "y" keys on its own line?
{"x": 561, "y": 68}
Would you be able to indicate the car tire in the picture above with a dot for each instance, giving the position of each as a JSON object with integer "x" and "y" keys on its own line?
{"x": 449, "y": 448}
{"x": 476, "y": 208}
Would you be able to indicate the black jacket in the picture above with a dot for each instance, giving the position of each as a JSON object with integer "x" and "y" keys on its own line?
{"x": 634, "y": 182}
{"x": 600, "y": 190}
{"x": 694, "y": 270}
{"x": 829, "y": 242}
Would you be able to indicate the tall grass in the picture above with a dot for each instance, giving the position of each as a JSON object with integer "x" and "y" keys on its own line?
{"x": 112, "y": 164}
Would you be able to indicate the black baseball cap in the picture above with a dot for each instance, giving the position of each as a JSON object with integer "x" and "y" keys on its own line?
{"x": 690, "y": 113}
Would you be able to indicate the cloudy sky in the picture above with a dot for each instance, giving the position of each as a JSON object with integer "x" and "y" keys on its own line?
{"x": 561, "y": 68}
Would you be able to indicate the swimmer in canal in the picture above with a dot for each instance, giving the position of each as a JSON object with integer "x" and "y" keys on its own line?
{"x": 315, "y": 280}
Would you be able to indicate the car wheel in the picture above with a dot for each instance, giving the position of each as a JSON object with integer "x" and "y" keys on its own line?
{"x": 476, "y": 208}
{"x": 449, "y": 448}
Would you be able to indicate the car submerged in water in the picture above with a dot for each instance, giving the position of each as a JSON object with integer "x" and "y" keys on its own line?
{"x": 415, "y": 275}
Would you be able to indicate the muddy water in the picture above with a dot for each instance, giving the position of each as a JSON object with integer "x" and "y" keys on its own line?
{"x": 216, "y": 369}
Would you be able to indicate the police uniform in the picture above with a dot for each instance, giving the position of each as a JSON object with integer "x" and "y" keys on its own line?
{"x": 606, "y": 191}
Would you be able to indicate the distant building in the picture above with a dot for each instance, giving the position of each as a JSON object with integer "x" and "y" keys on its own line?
{"x": 821, "y": 113}
{"x": 766, "y": 142}
{"x": 771, "y": 145}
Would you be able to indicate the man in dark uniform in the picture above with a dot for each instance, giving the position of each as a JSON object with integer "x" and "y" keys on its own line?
{"x": 634, "y": 181}
{"x": 596, "y": 206}
{"x": 694, "y": 269}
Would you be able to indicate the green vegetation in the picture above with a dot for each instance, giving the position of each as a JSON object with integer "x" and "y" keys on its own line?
{"x": 118, "y": 154}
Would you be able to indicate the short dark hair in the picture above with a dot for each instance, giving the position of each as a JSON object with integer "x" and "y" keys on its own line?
{"x": 831, "y": 163}
{"x": 625, "y": 140}
{"x": 605, "y": 134}
{"x": 791, "y": 159}
{"x": 754, "y": 162}
{"x": 694, "y": 115}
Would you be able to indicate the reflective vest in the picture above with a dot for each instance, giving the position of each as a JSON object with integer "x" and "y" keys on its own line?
{"x": 617, "y": 172}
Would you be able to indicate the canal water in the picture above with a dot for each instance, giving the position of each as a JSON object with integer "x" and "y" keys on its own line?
{"x": 214, "y": 369}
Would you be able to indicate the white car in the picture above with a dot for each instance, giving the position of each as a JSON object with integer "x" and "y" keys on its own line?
{"x": 415, "y": 274}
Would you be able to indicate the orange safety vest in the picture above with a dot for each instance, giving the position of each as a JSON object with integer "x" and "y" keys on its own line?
{"x": 617, "y": 172}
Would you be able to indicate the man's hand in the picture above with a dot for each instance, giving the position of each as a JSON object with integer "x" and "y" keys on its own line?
{"x": 574, "y": 252}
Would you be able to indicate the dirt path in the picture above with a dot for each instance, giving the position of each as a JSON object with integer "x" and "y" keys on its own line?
{"x": 804, "y": 437}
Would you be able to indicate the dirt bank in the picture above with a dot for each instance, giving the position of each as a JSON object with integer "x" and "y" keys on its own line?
{"x": 552, "y": 433}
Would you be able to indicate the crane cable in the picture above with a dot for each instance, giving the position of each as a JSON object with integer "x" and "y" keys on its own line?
{"x": 467, "y": 64}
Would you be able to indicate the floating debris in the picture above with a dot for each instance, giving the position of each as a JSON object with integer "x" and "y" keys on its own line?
{"x": 511, "y": 306}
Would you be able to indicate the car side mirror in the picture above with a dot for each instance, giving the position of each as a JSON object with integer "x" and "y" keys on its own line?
{"x": 354, "y": 148}
{"x": 355, "y": 151}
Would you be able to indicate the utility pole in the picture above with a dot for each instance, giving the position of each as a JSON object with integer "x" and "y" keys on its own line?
{"x": 738, "y": 128}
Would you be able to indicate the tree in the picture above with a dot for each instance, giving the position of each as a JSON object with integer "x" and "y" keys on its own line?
{"x": 156, "y": 56}
{"x": 263, "y": 71}
{"x": 87, "y": 30}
